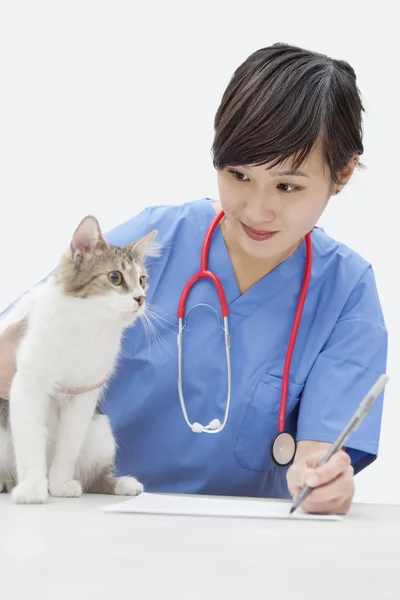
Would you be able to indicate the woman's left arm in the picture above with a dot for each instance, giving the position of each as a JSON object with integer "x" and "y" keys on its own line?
{"x": 349, "y": 364}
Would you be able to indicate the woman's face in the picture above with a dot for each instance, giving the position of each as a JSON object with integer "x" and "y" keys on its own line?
{"x": 269, "y": 211}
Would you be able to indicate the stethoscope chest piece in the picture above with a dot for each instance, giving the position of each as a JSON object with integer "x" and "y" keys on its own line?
{"x": 283, "y": 449}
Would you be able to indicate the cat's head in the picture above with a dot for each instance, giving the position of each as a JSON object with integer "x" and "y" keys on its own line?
{"x": 117, "y": 277}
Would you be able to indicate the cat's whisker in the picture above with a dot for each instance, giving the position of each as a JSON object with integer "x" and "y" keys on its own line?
{"x": 146, "y": 329}
{"x": 161, "y": 321}
{"x": 157, "y": 337}
{"x": 156, "y": 320}
{"x": 154, "y": 335}
{"x": 160, "y": 313}
{"x": 149, "y": 330}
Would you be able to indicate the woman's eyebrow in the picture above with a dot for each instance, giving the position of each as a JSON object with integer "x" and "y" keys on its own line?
{"x": 291, "y": 173}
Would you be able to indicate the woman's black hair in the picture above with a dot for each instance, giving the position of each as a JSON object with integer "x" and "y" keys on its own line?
{"x": 280, "y": 102}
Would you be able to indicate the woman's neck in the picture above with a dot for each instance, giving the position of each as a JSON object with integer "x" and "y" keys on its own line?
{"x": 248, "y": 269}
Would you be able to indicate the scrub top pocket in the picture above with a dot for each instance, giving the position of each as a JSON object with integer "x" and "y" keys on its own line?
{"x": 260, "y": 422}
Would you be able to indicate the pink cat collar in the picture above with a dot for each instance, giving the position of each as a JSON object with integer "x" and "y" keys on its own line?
{"x": 81, "y": 390}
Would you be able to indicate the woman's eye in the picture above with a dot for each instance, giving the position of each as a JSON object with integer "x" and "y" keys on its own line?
{"x": 142, "y": 281}
{"x": 284, "y": 187}
{"x": 238, "y": 176}
{"x": 115, "y": 277}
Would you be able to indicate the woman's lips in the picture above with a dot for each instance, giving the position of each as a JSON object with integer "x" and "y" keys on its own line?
{"x": 258, "y": 236}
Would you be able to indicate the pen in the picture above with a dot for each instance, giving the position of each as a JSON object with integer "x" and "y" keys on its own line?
{"x": 360, "y": 414}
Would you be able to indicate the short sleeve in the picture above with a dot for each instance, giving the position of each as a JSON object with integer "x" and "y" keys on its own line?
{"x": 344, "y": 371}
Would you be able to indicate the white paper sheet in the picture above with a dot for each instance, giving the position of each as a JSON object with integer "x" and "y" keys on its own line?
{"x": 193, "y": 505}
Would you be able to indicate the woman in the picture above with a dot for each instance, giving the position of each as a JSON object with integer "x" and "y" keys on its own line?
{"x": 288, "y": 136}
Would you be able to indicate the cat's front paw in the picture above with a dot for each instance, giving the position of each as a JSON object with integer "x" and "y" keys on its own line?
{"x": 66, "y": 489}
{"x": 127, "y": 486}
{"x": 31, "y": 492}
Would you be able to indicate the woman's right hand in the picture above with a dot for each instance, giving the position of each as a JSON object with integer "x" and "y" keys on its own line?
{"x": 8, "y": 344}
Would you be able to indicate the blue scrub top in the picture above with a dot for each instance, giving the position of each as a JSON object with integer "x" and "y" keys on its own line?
{"x": 341, "y": 349}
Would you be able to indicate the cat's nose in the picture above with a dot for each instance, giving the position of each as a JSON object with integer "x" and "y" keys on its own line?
{"x": 140, "y": 300}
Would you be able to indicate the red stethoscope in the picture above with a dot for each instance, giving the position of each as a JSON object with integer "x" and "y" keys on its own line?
{"x": 283, "y": 445}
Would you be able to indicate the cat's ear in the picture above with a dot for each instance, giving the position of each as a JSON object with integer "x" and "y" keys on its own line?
{"x": 87, "y": 235}
{"x": 146, "y": 246}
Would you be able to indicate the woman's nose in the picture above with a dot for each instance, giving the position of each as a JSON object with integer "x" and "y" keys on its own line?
{"x": 261, "y": 210}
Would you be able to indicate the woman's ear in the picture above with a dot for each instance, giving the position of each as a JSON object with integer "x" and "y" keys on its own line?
{"x": 346, "y": 174}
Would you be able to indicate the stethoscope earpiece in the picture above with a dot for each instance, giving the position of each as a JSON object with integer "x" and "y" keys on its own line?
{"x": 197, "y": 427}
{"x": 212, "y": 426}
{"x": 215, "y": 424}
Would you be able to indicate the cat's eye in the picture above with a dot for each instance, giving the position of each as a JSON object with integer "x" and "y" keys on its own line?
{"x": 142, "y": 281}
{"x": 115, "y": 277}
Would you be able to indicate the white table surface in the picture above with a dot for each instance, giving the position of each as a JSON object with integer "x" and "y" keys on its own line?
{"x": 67, "y": 548}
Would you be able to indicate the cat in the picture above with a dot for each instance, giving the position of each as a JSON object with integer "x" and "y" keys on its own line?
{"x": 54, "y": 438}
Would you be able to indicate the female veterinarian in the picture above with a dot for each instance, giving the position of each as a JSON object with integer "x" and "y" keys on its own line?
{"x": 285, "y": 334}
